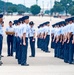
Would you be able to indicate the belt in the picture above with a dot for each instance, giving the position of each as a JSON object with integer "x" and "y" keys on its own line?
{"x": 1, "y": 35}
{"x": 31, "y": 37}
{"x": 26, "y": 37}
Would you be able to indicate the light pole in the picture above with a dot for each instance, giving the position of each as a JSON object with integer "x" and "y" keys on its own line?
{"x": 36, "y": 2}
{"x": 67, "y": 8}
{"x": 24, "y": 3}
{"x": 4, "y": 9}
{"x": 50, "y": 27}
{"x": 43, "y": 6}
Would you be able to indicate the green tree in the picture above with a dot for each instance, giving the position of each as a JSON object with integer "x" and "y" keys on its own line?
{"x": 35, "y": 9}
{"x": 47, "y": 12}
{"x": 71, "y": 11}
{"x": 0, "y": 11}
{"x": 63, "y": 5}
{"x": 9, "y": 11}
{"x": 27, "y": 9}
{"x": 20, "y": 12}
{"x": 66, "y": 4}
{"x": 8, "y": 6}
{"x": 57, "y": 8}
{"x": 14, "y": 9}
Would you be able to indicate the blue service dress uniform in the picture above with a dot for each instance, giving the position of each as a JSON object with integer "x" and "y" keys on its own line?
{"x": 66, "y": 45}
{"x": 17, "y": 35}
{"x": 14, "y": 40}
{"x": 20, "y": 43}
{"x": 47, "y": 38}
{"x": 10, "y": 38}
{"x": 1, "y": 38}
{"x": 71, "y": 45}
{"x": 32, "y": 40}
{"x": 25, "y": 47}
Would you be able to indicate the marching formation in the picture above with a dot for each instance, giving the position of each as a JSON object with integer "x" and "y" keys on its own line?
{"x": 18, "y": 34}
{"x": 63, "y": 40}
{"x": 43, "y": 36}
{"x": 20, "y": 31}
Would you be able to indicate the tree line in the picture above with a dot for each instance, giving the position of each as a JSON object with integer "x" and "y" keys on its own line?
{"x": 64, "y": 6}
{"x": 8, "y": 7}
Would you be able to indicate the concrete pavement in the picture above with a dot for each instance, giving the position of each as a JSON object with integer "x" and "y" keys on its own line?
{"x": 42, "y": 64}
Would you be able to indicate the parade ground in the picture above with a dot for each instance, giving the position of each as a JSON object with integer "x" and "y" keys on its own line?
{"x": 42, "y": 64}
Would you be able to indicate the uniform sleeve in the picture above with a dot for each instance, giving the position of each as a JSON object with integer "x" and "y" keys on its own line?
{"x": 33, "y": 30}
{"x": 24, "y": 29}
{"x": 72, "y": 29}
{"x": 58, "y": 31}
{"x": 37, "y": 31}
{"x": 46, "y": 30}
{"x": 7, "y": 29}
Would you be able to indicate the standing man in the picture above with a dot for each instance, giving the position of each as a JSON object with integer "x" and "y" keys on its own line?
{"x": 10, "y": 36}
{"x": 14, "y": 40}
{"x": 1, "y": 36}
{"x": 32, "y": 38}
{"x": 46, "y": 35}
{"x": 25, "y": 41}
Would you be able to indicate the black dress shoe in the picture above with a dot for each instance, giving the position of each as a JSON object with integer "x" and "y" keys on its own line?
{"x": 71, "y": 62}
{"x": 19, "y": 62}
{"x": 1, "y": 63}
{"x": 8, "y": 55}
{"x": 24, "y": 64}
{"x": 2, "y": 56}
{"x": 31, "y": 56}
{"x": 66, "y": 61}
{"x": 12, "y": 55}
{"x": 47, "y": 51}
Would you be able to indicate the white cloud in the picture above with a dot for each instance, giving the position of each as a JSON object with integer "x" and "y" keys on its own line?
{"x": 28, "y": 3}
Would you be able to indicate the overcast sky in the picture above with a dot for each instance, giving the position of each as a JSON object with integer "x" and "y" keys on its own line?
{"x": 28, "y": 3}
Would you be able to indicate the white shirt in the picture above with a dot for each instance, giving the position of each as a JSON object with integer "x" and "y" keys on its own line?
{"x": 18, "y": 31}
{"x": 10, "y": 29}
{"x": 55, "y": 32}
{"x": 15, "y": 29}
{"x": 72, "y": 28}
{"x": 26, "y": 29}
{"x": 47, "y": 30}
{"x": 1, "y": 29}
{"x": 31, "y": 31}
{"x": 38, "y": 31}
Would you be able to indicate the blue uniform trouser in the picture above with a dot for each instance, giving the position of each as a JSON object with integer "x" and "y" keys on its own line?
{"x": 37, "y": 42}
{"x": 55, "y": 49}
{"x": 24, "y": 53}
{"x": 1, "y": 41}
{"x": 17, "y": 46}
{"x": 14, "y": 43}
{"x": 59, "y": 45}
{"x": 71, "y": 47}
{"x": 40, "y": 42}
{"x": 46, "y": 43}
{"x": 10, "y": 45}
{"x": 20, "y": 51}
{"x": 52, "y": 43}
{"x": 66, "y": 52}
{"x": 43, "y": 45}
{"x": 58, "y": 49}
{"x": 62, "y": 51}
{"x": 32, "y": 45}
